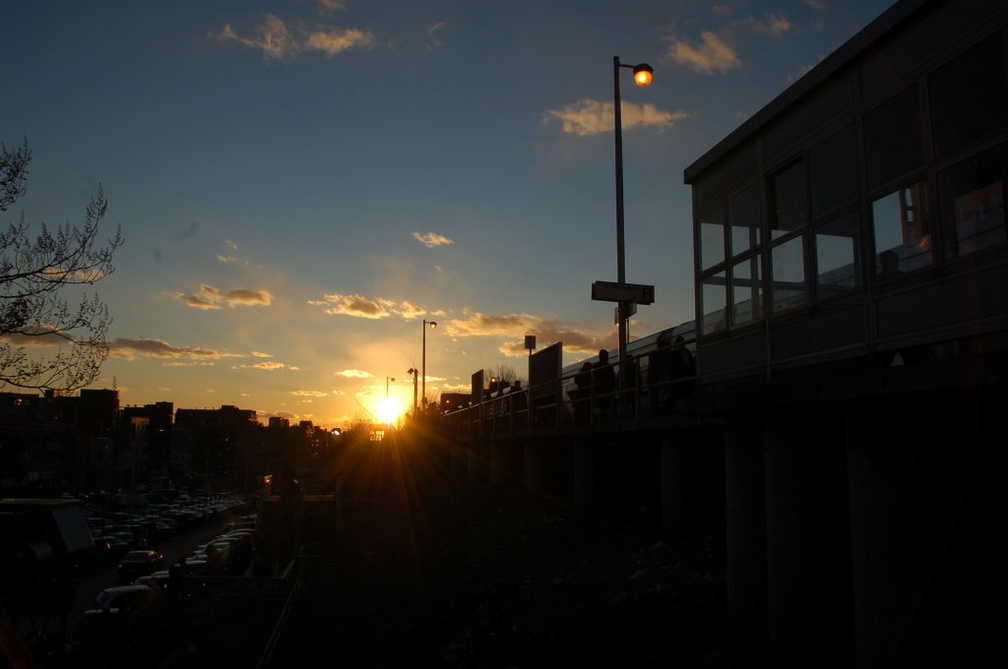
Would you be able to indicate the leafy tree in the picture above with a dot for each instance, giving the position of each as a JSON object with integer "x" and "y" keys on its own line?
{"x": 44, "y": 342}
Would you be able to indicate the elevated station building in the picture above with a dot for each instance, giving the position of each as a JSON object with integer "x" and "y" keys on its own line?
{"x": 852, "y": 327}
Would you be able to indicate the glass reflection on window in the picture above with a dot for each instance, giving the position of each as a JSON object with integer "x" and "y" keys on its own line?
{"x": 747, "y": 291}
{"x": 973, "y": 208}
{"x": 789, "y": 206}
{"x": 744, "y": 219}
{"x": 713, "y": 298}
{"x": 836, "y": 246}
{"x": 901, "y": 224}
{"x": 787, "y": 273}
{"x": 712, "y": 240}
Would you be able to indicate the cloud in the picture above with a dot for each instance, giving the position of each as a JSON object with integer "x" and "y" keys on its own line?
{"x": 512, "y": 328}
{"x": 309, "y": 393}
{"x": 773, "y": 25}
{"x": 591, "y": 117}
{"x": 267, "y": 366}
{"x": 367, "y": 307}
{"x": 354, "y": 374}
{"x": 712, "y": 55}
{"x": 433, "y": 36}
{"x": 816, "y": 5}
{"x": 332, "y": 41}
{"x": 327, "y": 6}
{"x": 432, "y": 239}
{"x": 131, "y": 349}
{"x": 353, "y": 305}
{"x": 210, "y": 297}
{"x": 278, "y": 41}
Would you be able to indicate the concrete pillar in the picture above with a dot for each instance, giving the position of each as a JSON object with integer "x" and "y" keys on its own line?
{"x": 478, "y": 462}
{"x": 549, "y": 467}
{"x": 676, "y": 483}
{"x": 587, "y": 470}
{"x": 808, "y": 543}
{"x": 746, "y": 531}
{"x": 506, "y": 458}
{"x": 926, "y": 506}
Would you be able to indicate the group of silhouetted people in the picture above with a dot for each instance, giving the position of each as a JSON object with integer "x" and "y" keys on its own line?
{"x": 595, "y": 385}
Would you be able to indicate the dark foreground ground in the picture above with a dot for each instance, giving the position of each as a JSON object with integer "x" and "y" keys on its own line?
{"x": 428, "y": 570}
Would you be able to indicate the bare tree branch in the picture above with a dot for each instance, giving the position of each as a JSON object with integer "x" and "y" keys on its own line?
{"x": 44, "y": 342}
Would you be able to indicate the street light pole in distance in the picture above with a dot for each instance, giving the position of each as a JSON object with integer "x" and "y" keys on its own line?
{"x": 423, "y": 362}
{"x": 642, "y": 74}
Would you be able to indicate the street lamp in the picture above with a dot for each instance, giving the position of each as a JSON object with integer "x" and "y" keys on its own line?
{"x": 414, "y": 371}
{"x": 387, "y": 379}
{"x": 423, "y": 360}
{"x": 642, "y": 74}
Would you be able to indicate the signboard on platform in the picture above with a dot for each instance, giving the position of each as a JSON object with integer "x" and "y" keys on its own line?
{"x": 611, "y": 291}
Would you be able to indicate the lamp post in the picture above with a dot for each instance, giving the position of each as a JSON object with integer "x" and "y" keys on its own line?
{"x": 423, "y": 360}
{"x": 642, "y": 74}
{"x": 414, "y": 371}
{"x": 387, "y": 378}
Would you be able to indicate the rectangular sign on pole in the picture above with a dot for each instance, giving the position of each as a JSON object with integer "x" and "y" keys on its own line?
{"x": 611, "y": 291}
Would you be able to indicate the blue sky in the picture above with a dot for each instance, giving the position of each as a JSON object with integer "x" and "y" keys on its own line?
{"x": 300, "y": 183}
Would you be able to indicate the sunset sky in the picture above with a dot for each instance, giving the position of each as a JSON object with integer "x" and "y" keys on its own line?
{"x": 300, "y": 183}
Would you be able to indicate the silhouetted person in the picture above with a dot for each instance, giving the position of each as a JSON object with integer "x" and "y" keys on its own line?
{"x": 682, "y": 359}
{"x": 580, "y": 394}
{"x": 603, "y": 382}
{"x": 889, "y": 265}
{"x": 628, "y": 387}
{"x": 660, "y": 374}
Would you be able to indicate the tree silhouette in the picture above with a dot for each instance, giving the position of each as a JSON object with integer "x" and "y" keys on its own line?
{"x": 44, "y": 342}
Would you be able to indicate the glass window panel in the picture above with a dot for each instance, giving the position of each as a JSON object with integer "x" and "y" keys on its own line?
{"x": 713, "y": 300}
{"x": 836, "y": 245}
{"x": 972, "y": 196}
{"x": 789, "y": 207}
{"x": 833, "y": 172}
{"x": 712, "y": 240}
{"x": 744, "y": 219}
{"x": 788, "y": 275}
{"x": 969, "y": 97}
{"x": 747, "y": 291}
{"x": 894, "y": 143}
{"x": 902, "y": 228}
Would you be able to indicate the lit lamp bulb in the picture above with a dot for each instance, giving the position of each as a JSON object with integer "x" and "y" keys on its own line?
{"x": 643, "y": 74}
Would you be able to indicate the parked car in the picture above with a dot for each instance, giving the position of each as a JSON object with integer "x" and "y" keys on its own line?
{"x": 139, "y": 563}
{"x": 123, "y": 598}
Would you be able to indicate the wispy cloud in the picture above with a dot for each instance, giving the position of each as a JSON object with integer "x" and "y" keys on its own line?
{"x": 434, "y": 32}
{"x": 712, "y": 55}
{"x": 309, "y": 393}
{"x": 591, "y": 117}
{"x": 329, "y": 6}
{"x": 269, "y": 366}
{"x": 354, "y": 374}
{"x": 432, "y": 239}
{"x": 774, "y": 25}
{"x": 276, "y": 40}
{"x": 131, "y": 349}
{"x": 353, "y": 305}
{"x": 360, "y": 306}
{"x": 209, "y": 297}
{"x": 512, "y": 328}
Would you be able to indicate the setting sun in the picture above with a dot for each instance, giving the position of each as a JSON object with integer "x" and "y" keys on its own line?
{"x": 389, "y": 410}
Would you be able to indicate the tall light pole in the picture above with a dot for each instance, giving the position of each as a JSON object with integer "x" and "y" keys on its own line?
{"x": 423, "y": 361}
{"x": 414, "y": 371}
{"x": 642, "y": 74}
{"x": 387, "y": 378}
